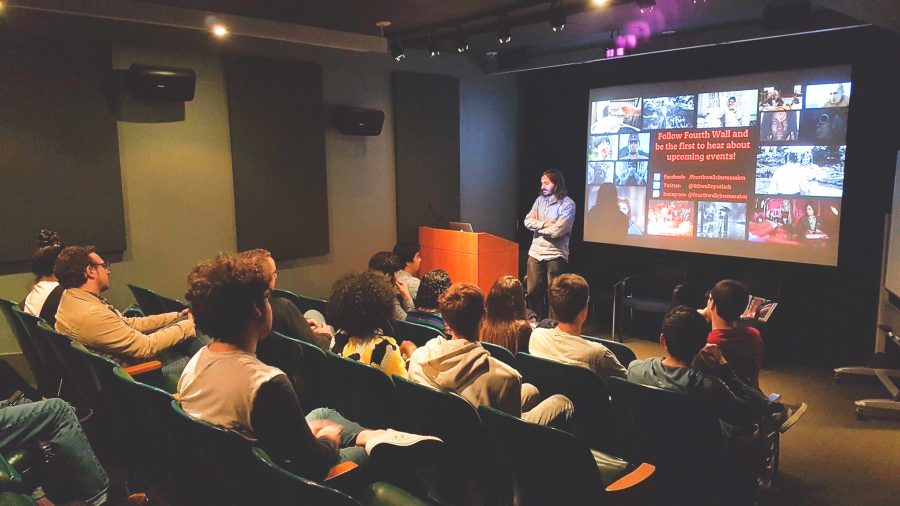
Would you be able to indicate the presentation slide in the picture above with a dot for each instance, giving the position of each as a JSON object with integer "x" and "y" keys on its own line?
{"x": 749, "y": 166}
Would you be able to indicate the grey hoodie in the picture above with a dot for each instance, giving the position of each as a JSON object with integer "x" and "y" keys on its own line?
{"x": 465, "y": 368}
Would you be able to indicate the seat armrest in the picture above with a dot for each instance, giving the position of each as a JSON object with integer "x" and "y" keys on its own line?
{"x": 143, "y": 368}
{"x": 635, "y": 478}
{"x": 341, "y": 469}
{"x": 10, "y": 479}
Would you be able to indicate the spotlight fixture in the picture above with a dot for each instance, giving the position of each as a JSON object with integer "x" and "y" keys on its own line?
{"x": 504, "y": 34}
{"x": 396, "y": 48}
{"x": 219, "y": 30}
{"x": 459, "y": 41}
{"x": 646, "y": 5}
{"x": 433, "y": 49}
{"x": 557, "y": 16}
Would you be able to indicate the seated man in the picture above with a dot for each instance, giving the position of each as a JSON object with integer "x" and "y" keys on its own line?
{"x": 73, "y": 472}
{"x": 408, "y": 253}
{"x": 86, "y": 317}
{"x": 286, "y": 316}
{"x": 741, "y": 345}
{"x": 388, "y": 264}
{"x": 428, "y": 312}
{"x": 226, "y": 385}
{"x": 569, "y": 296}
{"x": 693, "y": 367}
{"x": 462, "y": 366}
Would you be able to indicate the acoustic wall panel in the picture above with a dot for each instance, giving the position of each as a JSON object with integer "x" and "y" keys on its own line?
{"x": 277, "y": 122}
{"x": 59, "y": 148}
{"x": 426, "y": 137}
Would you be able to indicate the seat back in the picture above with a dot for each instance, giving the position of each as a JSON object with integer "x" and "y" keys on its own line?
{"x": 212, "y": 465}
{"x": 501, "y": 354}
{"x": 303, "y": 302}
{"x": 550, "y": 466}
{"x": 679, "y": 434}
{"x": 363, "y": 393}
{"x": 153, "y": 303}
{"x": 147, "y": 420}
{"x": 304, "y": 363}
{"x": 464, "y": 475}
{"x": 284, "y": 487}
{"x": 81, "y": 385}
{"x": 146, "y": 298}
{"x": 624, "y": 354}
{"x": 415, "y": 332}
{"x": 661, "y": 277}
{"x": 586, "y": 390}
{"x": 47, "y": 378}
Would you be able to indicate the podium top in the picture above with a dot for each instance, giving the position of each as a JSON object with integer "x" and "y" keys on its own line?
{"x": 463, "y": 242}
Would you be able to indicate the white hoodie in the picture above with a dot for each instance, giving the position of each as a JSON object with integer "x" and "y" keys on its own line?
{"x": 465, "y": 368}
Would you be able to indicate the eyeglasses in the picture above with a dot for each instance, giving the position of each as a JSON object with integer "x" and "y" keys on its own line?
{"x": 708, "y": 294}
{"x": 275, "y": 274}
{"x": 105, "y": 265}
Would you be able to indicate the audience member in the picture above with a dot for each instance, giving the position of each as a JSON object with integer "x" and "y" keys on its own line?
{"x": 741, "y": 345}
{"x": 74, "y": 475}
{"x": 408, "y": 253}
{"x": 388, "y": 264}
{"x": 696, "y": 368}
{"x": 286, "y": 316}
{"x": 462, "y": 366}
{"x": 506, "y": 323}
{"x": 288, "y": 320}
{"x": 427, "y": 312}
{"x": 569, "y": 295}
{"x": 359, "y": 307}
{"x": 89, "y": 319}
{"x": 226, "y": 385}
{"x": 43, "y": 299}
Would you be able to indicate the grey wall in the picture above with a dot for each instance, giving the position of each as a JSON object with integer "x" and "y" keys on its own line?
{"x": 177, "y": 177}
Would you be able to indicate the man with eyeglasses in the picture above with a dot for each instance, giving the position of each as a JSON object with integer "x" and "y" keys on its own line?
{"x": 88, "y": 318}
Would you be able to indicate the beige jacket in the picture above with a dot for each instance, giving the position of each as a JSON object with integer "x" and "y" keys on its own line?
{"x": 468, "y": 370}
{"x": 97, "y": 325}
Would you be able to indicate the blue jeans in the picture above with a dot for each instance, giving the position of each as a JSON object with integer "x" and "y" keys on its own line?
{"x": 74, "y": 471}
{"x": 176, "y": 358}
{"x": 348, "y": 450}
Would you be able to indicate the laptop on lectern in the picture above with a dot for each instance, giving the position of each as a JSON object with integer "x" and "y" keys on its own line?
{"x": 462, "y": 227}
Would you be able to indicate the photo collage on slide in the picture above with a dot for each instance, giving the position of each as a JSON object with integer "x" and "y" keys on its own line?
{"x": 762, "y": 164}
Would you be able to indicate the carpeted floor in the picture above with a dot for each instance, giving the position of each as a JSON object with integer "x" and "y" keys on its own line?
{"x": 829, "y": 457}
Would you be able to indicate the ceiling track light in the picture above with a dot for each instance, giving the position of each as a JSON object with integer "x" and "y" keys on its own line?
{"x": 504, "y": 34}
{"x": 433, "y": 49}
{"x": 646, "y": 5}
{"x": 557, "y": 16}
{"x": 459, "y": 41}
{"x": 397, "y": 52}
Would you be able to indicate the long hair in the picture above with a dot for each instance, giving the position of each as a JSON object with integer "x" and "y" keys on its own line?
{"x": 557, "y": 178}
{"x": 506, "y": 321}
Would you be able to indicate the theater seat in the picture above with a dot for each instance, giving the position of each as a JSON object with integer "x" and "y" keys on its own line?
{"x": 655, "y": 291}
{"x": 465, "y": 474}
{"x": 415, "y": 332}
{"x": 554, "y": 467}
{"x": 501, "y": 354}
{"x": 624, "y": 354}
{"x": 153, "y": 303}
{"x": 586, "y": 390}
{"x": 303, "y": 302}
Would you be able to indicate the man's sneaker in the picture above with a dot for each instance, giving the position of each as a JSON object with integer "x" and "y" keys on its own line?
{"x": 397, "y": 448}
{"x": 794, "y": 412}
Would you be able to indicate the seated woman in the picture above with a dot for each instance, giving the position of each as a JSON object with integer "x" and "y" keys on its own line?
{"x": 506, "y": 323}
{"x": 433, "y": 284}
{"x": 43, "y": 299}
{"x": 359, "y": 307}
{"x": 226, "y": 385}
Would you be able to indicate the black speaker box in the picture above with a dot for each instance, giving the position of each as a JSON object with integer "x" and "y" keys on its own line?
{"x": 150, "y": 82}
{"x": 358, "y": 121}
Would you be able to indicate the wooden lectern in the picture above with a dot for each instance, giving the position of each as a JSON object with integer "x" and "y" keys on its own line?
{"x": 468, "y": 257}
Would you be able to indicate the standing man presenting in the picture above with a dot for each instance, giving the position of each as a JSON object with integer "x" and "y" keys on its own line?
{"x": 550, "y": 219}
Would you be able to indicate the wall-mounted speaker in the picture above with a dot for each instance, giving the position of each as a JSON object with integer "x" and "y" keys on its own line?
{"x": 358, "y": 121}
{"x": 150, "y": 82}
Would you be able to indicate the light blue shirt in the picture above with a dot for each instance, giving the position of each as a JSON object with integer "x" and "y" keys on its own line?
{"x": 552, "y": 241}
